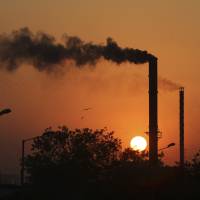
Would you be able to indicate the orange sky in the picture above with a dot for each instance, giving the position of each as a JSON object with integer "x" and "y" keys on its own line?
{"x": 117, "y": 94}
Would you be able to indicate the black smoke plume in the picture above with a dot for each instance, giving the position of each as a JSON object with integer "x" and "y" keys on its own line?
{"x": 44, "y": 53}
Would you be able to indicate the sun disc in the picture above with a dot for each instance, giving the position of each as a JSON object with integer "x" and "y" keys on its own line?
{"x": 138, "y": 143}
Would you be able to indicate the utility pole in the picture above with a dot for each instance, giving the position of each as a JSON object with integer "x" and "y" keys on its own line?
{"x": 23, "y": 158}
{"x": 22, "y": 162}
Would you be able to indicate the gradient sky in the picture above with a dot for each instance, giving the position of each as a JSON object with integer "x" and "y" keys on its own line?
{"x": 169, "y": 29}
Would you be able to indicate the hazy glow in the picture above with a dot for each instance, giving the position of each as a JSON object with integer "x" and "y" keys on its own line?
{"x": 117, "y": 94}
{"x": 138, "y": 143}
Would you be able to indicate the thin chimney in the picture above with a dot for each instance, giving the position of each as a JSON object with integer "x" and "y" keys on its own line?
{"x": 181, "y": 96}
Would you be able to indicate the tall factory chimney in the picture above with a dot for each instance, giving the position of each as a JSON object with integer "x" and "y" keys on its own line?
{"x": 153, "y": 112}
{"x": 181, "y": 98}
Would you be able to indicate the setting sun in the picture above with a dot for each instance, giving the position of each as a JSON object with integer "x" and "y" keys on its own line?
{"x": 138, "y": 143}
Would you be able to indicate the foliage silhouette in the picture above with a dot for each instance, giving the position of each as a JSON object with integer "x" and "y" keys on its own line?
{"x": 70, "y": 161}
{"x": 90, "y": 164}
{"x": 192, "y": 167}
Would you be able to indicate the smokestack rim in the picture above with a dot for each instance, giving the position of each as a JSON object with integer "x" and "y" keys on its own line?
{"x": 181, "y": 89}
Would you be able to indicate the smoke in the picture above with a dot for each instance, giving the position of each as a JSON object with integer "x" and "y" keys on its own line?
{"x": 168, "y": 85}
{"x": 43, "y": 52}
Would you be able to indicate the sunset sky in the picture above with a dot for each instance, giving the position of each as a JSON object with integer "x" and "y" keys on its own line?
{"x": 118, "y": 95}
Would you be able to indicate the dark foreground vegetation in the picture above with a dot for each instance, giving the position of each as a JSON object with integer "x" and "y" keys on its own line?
{"x": 86, "y": 164}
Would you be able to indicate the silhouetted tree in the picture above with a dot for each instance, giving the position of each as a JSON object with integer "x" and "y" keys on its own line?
{"x": 135, "y": 157}
{"x": 193, "y": 167}
{"x": 90, "y": 164}
{"x": 71, "y": 161}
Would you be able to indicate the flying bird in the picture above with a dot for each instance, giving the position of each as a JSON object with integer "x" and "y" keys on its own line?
{"x": 86, "y": 109}
{"x": 5, "y": 111}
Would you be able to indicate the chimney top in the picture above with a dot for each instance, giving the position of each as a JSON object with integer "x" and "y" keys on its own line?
{"x": 181, "y": 88}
